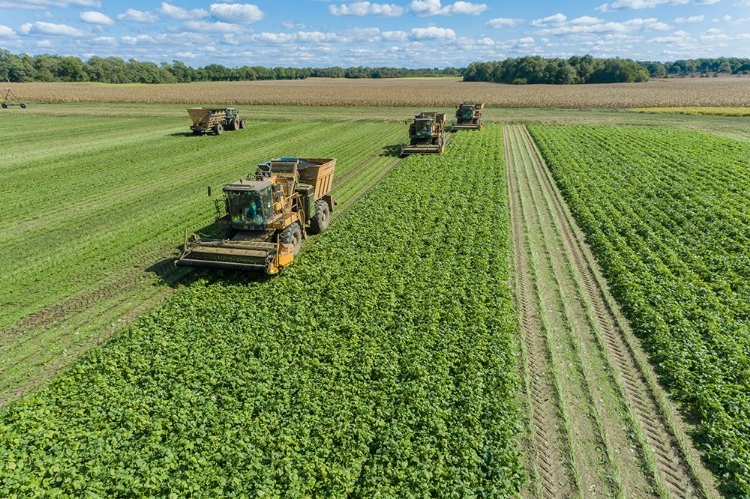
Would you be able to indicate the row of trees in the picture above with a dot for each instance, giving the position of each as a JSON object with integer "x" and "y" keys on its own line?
{"x": 587, "y": 69}
{"x": 25, "y": 68}
{"x": 532, "y": 69}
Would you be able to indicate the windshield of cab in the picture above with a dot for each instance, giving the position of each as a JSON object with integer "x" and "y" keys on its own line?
{"x": 250, "y": 207}
{"x": 424, "y": 128}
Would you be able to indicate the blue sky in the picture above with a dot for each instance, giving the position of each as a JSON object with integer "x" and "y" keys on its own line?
{"x": 398, "y": 33}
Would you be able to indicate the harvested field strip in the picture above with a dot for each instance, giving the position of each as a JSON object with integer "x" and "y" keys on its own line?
{"x": 380, "y": 364}
{"x": 88, "y": 235}
{"x": 432, "y": 92}
{"x": 598, "y": 423}
{"x": 674, "y": 249}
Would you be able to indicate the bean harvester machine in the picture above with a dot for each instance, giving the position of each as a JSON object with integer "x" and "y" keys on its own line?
{"x": 266, "y": 217}
{"x": 426, "y": 134}
{"x": 468, "y": 116}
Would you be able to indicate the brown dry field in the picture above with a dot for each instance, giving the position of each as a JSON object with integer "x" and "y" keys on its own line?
{"x": 728, "y": 91}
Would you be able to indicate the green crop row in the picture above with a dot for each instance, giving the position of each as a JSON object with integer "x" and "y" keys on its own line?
{"x": 380, "y": 364}
{"x": 95, "y": 205}
{"x": 666, "y": 213}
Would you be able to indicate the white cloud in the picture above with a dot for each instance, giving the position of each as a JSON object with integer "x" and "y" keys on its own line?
{"x": 92, "y": 17}
{"x": 211, "y": 27}
{"x": 316, "y": 37}
{"x": 587, "y": 20}
{"x": 641, "y": 4}
{"x": 6, "y": 31}
{"x": 50, "y": 29}
{"x": 137, "y": 16}
{"x": 282, "y": 38}
{"x": 435, "y": 8}
{"x": 366, "y": 8}
{"x": 432, "y": 33}
{"x": 237, "y": 12}
{"x": 586, "y": 27}
{"x": 691, "y": 19}
{"x": 46, "y": 4}
{"x": 502, "y": 22}
{"x": 711, "y": 2}
{"x": 140, "y": 39}
{"x": 104, "y": 40}
{"x": 556, "y": 19}
{"x": 678, "y": 37}
{"x": 181, "y": 14}
{"x": 290, "y": 25}
{"x": 395, "y": 36}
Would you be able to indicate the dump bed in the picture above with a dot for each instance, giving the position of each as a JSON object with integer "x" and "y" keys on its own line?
{"x": 317, "y": 172}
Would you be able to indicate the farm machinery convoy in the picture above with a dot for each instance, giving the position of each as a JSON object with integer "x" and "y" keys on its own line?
{"x": 266, "y": 217}
{"x": 427, "y": 131}
{"x": 214, "y": 119}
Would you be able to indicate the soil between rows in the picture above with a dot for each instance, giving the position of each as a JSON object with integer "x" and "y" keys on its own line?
{"x": 598, "y": 424}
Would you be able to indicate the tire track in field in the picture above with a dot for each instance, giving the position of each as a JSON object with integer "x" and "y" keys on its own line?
{"x": 598, "y": 423}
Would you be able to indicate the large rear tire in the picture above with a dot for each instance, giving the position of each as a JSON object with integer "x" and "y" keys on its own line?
{"x": 322, "y": 218}
{"x": 234, "y": 124}
{"x": 292, "y": 236}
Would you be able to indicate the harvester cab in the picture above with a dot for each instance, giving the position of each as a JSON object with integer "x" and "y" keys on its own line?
{"x": 426, "y": 134}
{"x": 266, "y": 217}
{"x": 468, "y": 116}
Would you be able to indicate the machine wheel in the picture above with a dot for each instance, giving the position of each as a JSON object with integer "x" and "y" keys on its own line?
{"x": 322, "y": 217}
{"x": 234, "y": 124}
{"x": 218, "y": 129}
{"x": 292, "y": 235}
{"x": 23, "y": 105}
{"x": 242, "y": 123}
{"x": 5, "y": 106}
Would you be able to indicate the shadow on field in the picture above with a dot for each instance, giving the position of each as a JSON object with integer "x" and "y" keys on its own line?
{"x": 392, "y": 151}
{"x": 174, "y": 276}
{"x": 184, "y": 134}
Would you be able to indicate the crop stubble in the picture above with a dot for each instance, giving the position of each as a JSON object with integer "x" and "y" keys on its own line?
{"x": 598, "y": 422}
{"x": 682, "y": 92}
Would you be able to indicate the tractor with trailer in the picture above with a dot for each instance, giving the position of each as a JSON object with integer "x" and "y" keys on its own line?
{"x": 426, "y": 134}
{"x": 266, "y": 217}
{"x": 468, "y": 116}
{"x": 214, "y": 119}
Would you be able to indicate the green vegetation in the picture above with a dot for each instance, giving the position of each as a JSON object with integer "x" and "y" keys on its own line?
{"x": 587, "y": 69}
{"x": 55, "y": 68}
{"x": 529, "y": 69}
{"x": 380, "y": 364}
{"x": 665, "y": 212}
{"x": 712, "y": 111}
{"x": 96, "y": 202}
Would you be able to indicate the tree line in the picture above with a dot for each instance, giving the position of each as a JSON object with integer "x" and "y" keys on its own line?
{"x": 49, "y": 68}
{"x": 523, "y": 70}
{"x": 587, "y": 69}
